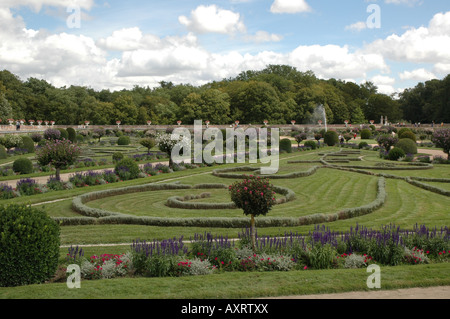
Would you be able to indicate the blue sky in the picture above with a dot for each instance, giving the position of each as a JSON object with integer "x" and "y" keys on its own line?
{"x": 121, "y": 44}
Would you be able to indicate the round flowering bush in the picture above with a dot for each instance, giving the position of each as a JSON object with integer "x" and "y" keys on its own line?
{"x": 255, "y": 196}
{"x": 442, "y": 140}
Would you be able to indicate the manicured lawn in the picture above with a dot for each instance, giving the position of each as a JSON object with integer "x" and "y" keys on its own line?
{"x": 326, "y": 191}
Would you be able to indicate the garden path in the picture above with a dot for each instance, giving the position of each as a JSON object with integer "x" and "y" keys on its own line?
{"x": 441, "y": 292}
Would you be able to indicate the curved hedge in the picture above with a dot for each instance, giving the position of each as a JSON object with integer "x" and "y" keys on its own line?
{"x": 224, "y": 173}
{"x": 98, "y": 216}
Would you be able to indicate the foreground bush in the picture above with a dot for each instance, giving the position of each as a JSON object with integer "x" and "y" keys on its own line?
{"x": 29, "y": 246}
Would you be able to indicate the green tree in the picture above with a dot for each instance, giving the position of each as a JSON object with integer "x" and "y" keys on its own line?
{"x": 58, "y": 153}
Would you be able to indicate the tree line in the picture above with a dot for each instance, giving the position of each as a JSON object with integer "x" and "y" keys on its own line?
{"x": 278, "y": 94}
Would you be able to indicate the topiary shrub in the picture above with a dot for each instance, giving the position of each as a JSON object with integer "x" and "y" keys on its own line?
{"x": 28, "y": 144}
{"x": 72, "y": 134}
{"x": 3, "y": 153}
{"x": 402, "y": 131}
{"x": 127, "y": 169}
{"x": 286, "y": 145}
{"x": 362, "y": 145}
{"x": 311, "y": 144}
{"x": 366, "y": 134}
{"x": 64, "y": 134}
{"x": 23, "y": 166}
{"x": 123, "y": 140}
{"x": 408, "y": 134}
{"x": 407, "y": 145}
{"x": 331, "y": 138}
{"x": 396, "y": 153}
{"x": 29, "y": 246}
{"x": 117, "y": 157}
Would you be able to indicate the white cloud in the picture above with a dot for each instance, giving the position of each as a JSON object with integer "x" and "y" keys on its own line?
{"x": 290, "y": 6}
{"x": 212, "y": 19}
{"x": 358, "y": 26}
{"x": 404, "y": 2}
{"x": 37, "y": 5}
{"x": 264, "y": 36}
{"x": 332, "y": 61}
{"x": 421, "y": 45}
{"x": 417, "y": 75}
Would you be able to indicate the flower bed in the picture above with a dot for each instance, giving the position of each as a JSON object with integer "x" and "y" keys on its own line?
{"x": 320, "y": 249}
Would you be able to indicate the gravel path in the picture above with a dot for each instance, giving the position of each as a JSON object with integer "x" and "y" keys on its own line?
{"x": 410, "y": 293}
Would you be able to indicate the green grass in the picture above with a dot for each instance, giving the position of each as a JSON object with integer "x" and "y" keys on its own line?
{"x": 230, "y": 285}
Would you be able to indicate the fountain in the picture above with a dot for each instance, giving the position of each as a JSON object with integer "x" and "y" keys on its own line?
{"x": 320, "y": 115}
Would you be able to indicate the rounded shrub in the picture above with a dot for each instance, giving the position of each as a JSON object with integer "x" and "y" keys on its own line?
{"x": 408, "y": 134}
{"x": 3, "y": 153}
{"x": 286, "y": 145}
{"x": 396, "y": 153}
{"x": 311, "y": 144}
{"x": 403, "y": 130}
{"x": 127, "y": 169}
{"x": 407, "y": 145}
{"x": 23, "y": 166}
{"x": 366, "y": 134}
{"x": 362, "y": 145}
{"x": 117, "y": 157}
{"x": 123, "y": 140}
{"x": 29, "y": 246}
{"x": 28, "y": 144}
{"x": 64, "y": 134}
{"x": 72, "y": 134}
{"x": 331, "y": 138}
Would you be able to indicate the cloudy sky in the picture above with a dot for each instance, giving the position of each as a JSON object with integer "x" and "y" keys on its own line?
{"x": 112, "y": 44}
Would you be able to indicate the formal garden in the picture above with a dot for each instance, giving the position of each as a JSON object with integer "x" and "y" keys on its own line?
{"x": 140, "y": 226}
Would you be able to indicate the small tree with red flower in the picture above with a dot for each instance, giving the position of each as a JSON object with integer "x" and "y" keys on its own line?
{"x": 256, "y": 196}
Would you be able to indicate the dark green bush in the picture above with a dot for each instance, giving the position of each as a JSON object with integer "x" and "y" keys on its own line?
{"x": 408, "y": 134}
{"x": 72, "y": 134}
{"x": 23, "y": 166}
{"x": 80, "y": 138}
{"x": 331, "y": 138}
{"x": 366, "y": 134}
{"x": 117, "y": 157}
{"x": 28, "y": 144}
{"x": 29, "y": 246}
{"x": 311, "y": 144}
{"x": 64, "y": 133}
{"x": 403, "y": 130}
{"x": 286, "y": 145}
{"x": 3, "y": 153}
{"x": 407, "y": 145}
{"x": 127, "y": 169}
{"x": 395, "y": 154}
{"x": 362, "y": 145}
{"x": 123, "y": 140}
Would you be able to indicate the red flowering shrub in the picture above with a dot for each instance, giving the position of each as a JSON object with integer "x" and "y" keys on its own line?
{"x": 255, "y": 196}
